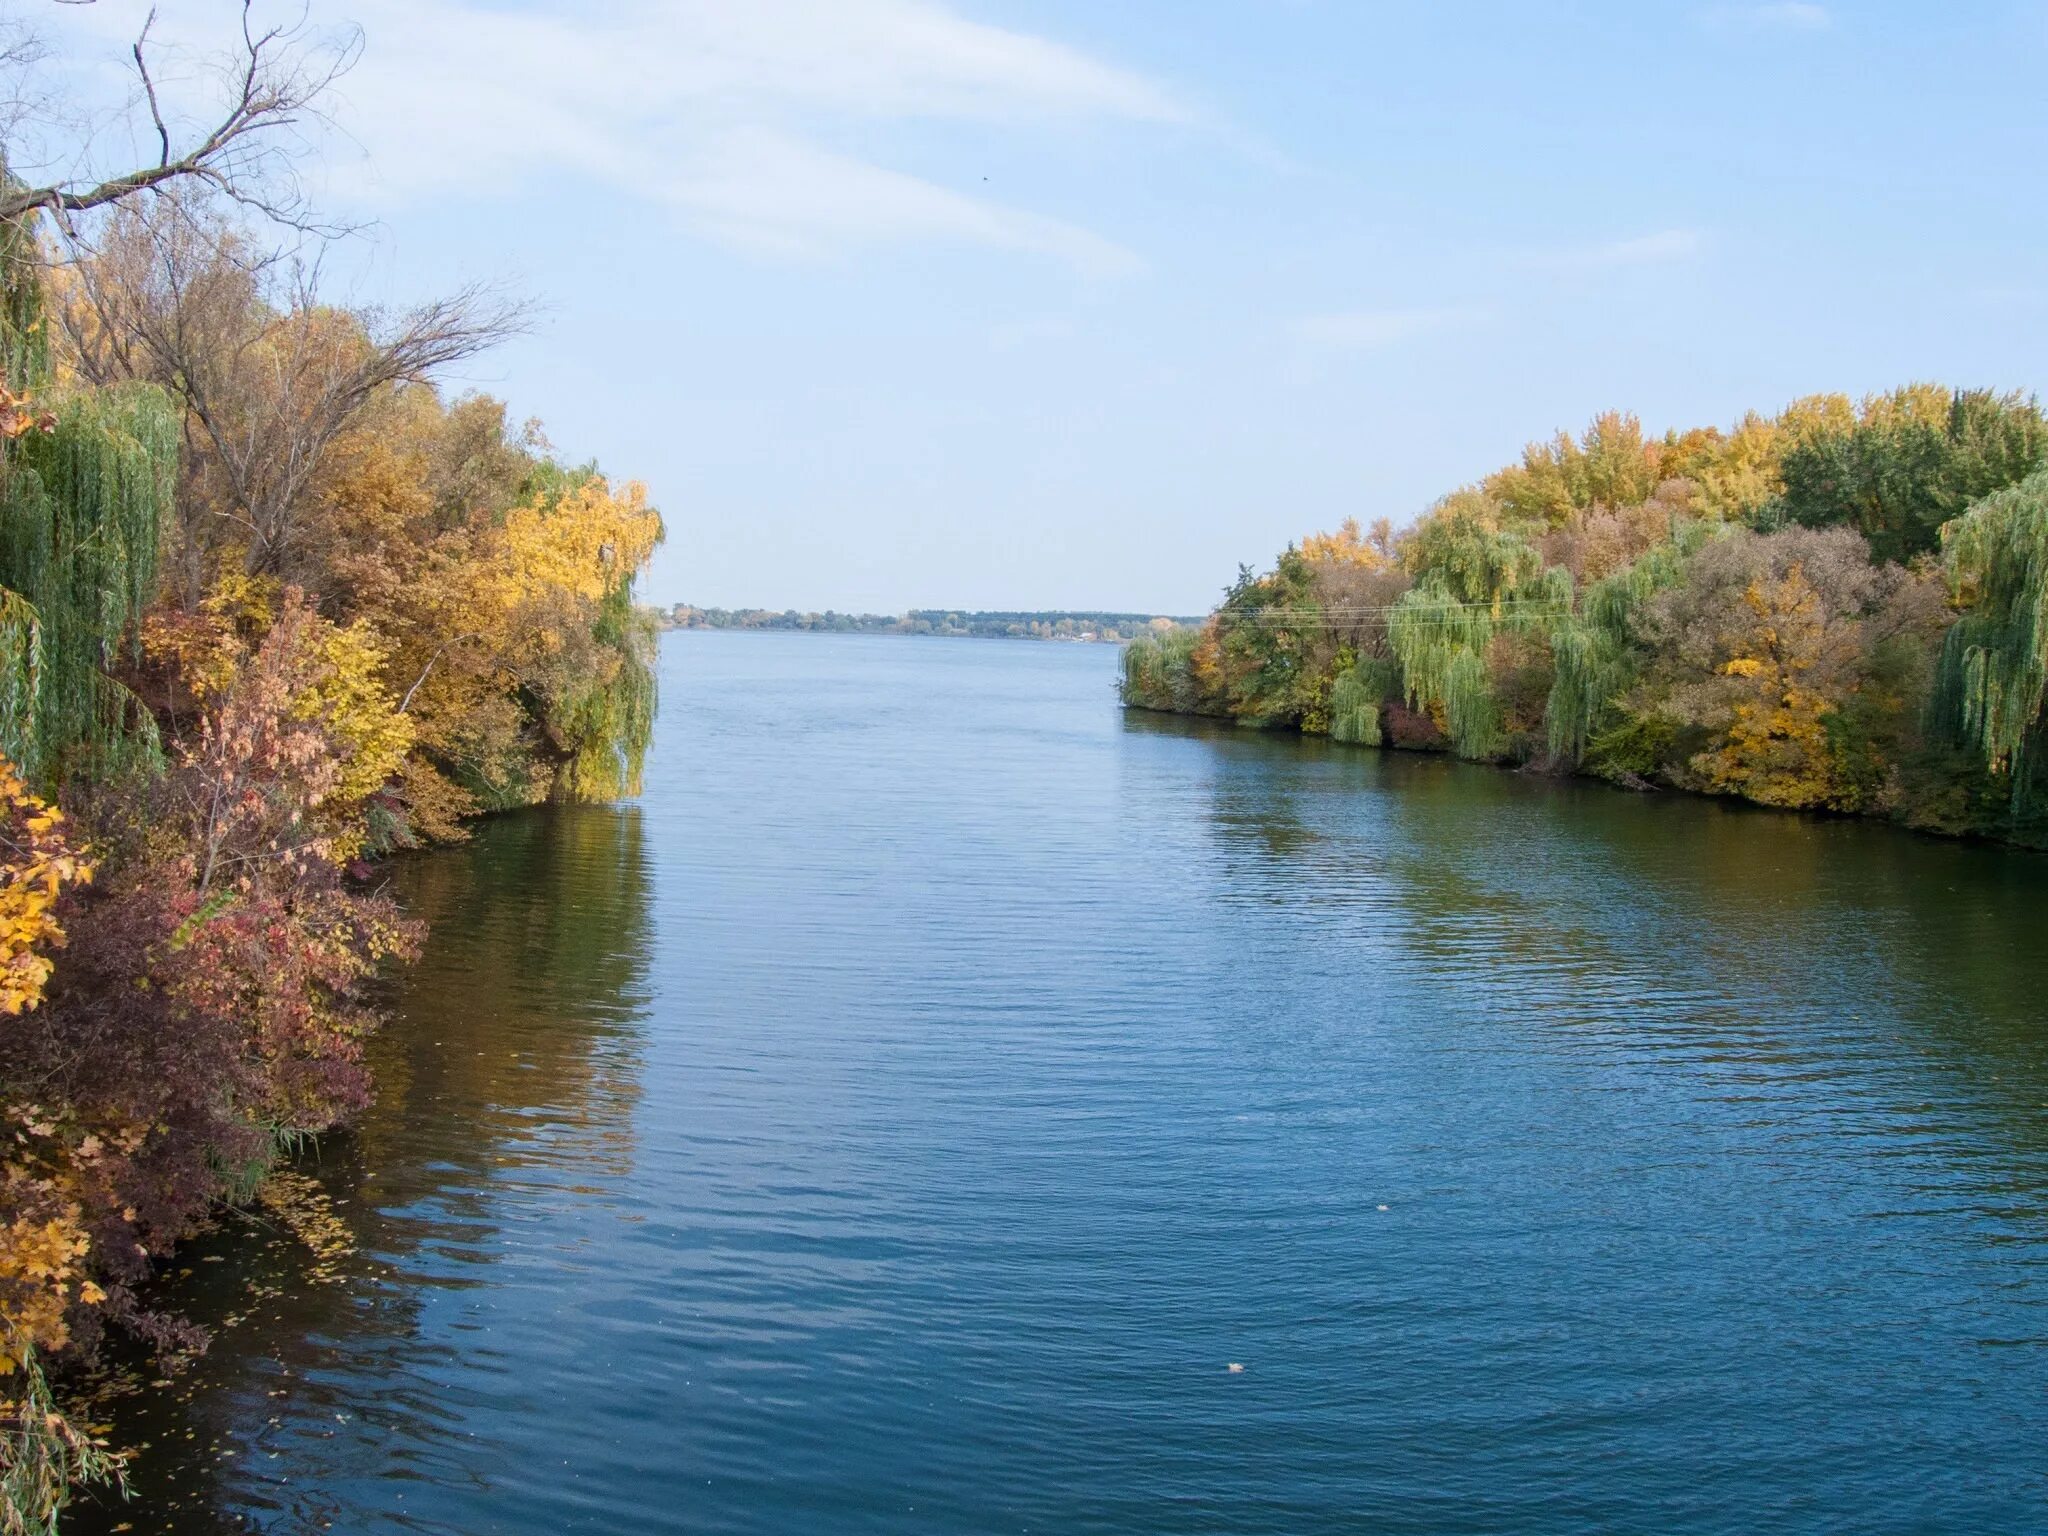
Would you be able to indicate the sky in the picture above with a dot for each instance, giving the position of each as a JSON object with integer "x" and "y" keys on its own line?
{"x": 995, "y": 304}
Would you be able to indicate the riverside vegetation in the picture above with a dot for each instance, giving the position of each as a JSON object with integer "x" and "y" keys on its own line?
{"x": 271, "y": 606}
{"x": 1842, "y": 607}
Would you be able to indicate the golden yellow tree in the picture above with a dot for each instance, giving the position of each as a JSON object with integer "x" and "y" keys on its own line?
{"x": 1775, "y": 745}
{"x": 1350, "y": 545}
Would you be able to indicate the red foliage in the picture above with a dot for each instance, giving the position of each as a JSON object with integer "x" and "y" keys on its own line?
{"x": 1411, "y": 728}
{"x": 212, "y": 996}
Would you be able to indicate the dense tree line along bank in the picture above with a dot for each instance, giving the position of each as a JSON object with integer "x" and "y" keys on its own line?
{"x": 270, "y": 606}
{"x": 1842, "y": 607}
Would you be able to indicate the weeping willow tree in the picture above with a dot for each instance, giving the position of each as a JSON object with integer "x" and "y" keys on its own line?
{"x": 610, "y": 720}
{"x": 1158, "y": 672}
{"x": 1476, "y": 582}
{"x": 1355, "y": 700}
{"x": 83, "y": 503}
{"x": 598, "y": 706}
{"x": 1592, "y": 649}
{"x": 1992, "y": 679}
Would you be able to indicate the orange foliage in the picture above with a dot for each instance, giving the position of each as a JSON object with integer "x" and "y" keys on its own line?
{"x": 19, "y": 416}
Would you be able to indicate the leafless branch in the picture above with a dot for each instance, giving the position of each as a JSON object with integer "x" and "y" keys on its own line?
{"x": 276, "y": 83}
{"x": 270, "y": 372}
{"x": 156, "y": 111}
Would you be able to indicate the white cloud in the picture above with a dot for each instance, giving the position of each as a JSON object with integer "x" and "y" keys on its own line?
{"x": 759, "y": 189}
{"x": 1361, "y": 330}
{"x": 735, "y": 113}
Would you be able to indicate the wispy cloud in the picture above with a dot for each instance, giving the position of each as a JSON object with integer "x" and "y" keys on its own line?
{"x": 738, "y": 116}
{"x": 1784, "y": 15}
{"x": 770, "y": 192}
{"x": 1364, "y": 330}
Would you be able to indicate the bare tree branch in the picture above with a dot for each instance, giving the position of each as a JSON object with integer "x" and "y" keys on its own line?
{"x": 271, "y": 375}
{"x": 276, "y": 83}
{"x": 156, "y": 111}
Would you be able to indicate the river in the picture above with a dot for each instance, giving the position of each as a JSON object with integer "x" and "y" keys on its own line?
{"x": 943, "y": 1104}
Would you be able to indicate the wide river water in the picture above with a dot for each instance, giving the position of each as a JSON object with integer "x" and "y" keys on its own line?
{"x": 910, "y": 1115}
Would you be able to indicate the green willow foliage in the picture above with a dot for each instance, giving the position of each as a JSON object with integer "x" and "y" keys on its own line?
{"x": 1355, "y": 702}
{"x": 1592, "y": 648}
{"x": 603, "y": 718}
{"x": 1993, "y": 673}
{"x": 24, "y": 337}
{"x": 1443, "y": 631}
{"x": 1161, "y": 667}
{"x": 1757, "y": 612}
{"x": 1478, "y": 581}
{"x": 82, "y": 512}
{"x": 612, "y": 719}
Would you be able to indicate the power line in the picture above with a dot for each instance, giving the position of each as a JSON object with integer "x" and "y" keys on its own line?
{"x": 1438, "y": 604}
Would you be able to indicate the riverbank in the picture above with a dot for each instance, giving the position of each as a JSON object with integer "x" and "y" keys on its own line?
{"x": 1834, "y": 609}
{"x": 272, "y": 607}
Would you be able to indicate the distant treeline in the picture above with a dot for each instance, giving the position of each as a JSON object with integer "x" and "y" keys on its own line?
{"x": 1044, "y": 624}
{"x": 1842, "y": 607}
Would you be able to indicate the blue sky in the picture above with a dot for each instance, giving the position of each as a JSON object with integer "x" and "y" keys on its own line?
{"x": 987, "y": 303}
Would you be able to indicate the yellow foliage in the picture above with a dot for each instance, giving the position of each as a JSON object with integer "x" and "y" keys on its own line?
{"x": 490, "y": 581}
{"x": 1914, "y": 405}
{"x": 1609, "y": 465}
{"x": 44, "y": 1246}
{"x": 1817, "y": 415}
{"x": 438, "y": 805}
{"x": 347, "y": 691}
{"x": 20, "y": 416}
{"x": 36, "y": 864}
{"x": 350, "y": 697}
{"x": 1736, "y": 473}
{"x": 206, "y": 648}
{"x": 39, "y": 1263}
{"x": 1349, "y": 545}
{"x": 582, "y": 545}
{"x": 1775, "y": 749}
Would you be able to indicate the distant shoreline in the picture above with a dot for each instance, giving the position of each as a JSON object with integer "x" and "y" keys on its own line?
{"x": 1087, "y": 626}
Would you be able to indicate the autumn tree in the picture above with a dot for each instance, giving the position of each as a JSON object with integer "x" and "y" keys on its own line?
{"x": 1753, "y": 653}
{"x": 1610, "y": 464}
{"x": 1713, "y": 610}
{"x": 269, "y": 375}
{"x": 1911, "y": 461}
{"x": 384, "y": 613}
{"x": 1269, "y": 632}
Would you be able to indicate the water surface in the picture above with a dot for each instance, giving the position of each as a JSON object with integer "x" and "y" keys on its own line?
{"x": 901, "y": 1118}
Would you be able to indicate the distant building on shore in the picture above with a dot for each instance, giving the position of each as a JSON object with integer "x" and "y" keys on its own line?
{"x": 1047, "y": 624}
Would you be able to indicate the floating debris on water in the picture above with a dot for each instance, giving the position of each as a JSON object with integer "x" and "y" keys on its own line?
{"x": 308, "y": 1211}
